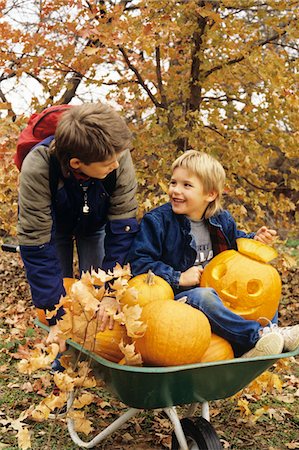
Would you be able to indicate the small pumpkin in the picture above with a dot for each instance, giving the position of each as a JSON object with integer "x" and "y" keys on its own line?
{"x": 104, "y": 343}
{"x": 107, "y": 342}
{"x": 68, "y": 283}
{"x": 244, "y": 281}
{"x": 149, "y": 287}
{"x": 176, "y": 334}
{"x": 218, "y": 350}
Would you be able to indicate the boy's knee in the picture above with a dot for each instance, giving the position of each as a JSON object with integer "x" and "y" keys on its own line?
{"x": 203, "y": 298}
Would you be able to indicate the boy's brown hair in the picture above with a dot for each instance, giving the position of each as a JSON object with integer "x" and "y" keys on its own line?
{"x": 91, "y": 132}
{"x": 210, "y": 173}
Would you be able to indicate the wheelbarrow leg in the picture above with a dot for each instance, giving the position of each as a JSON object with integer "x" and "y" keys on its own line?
{"x": 178, "y": 430}
{"x": 205, "y": 412}
{"x": 114, "y": 426}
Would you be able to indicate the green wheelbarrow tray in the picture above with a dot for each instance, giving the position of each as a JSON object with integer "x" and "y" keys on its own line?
{"x": 161, "y": 387}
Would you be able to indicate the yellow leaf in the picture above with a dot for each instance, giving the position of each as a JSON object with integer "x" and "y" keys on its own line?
{"x": 131, "y": 357}
{"x": 64, "y": 382}
{"x": 135, "y": 328}
{"x": 243, "y": 407}
{"x": 83, "y": 400}
{"x": 81, "y": 424}
{"x": 89, "y": 51}
{"x": 24, "y": 440}
{"x": 119, "y": 271}
{"x": 38, "y": 359}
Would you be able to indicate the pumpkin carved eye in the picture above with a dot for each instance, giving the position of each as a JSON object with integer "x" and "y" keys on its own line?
{"x": 254, "y": 287}
{"x": 219, "y": 271}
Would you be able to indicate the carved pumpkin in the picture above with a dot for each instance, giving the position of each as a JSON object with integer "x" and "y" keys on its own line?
{"x": 149, "y": 287}
{"x": 244, "y": 281}
{"x": 218, "y": 350}
{"x": 176, "y": 334}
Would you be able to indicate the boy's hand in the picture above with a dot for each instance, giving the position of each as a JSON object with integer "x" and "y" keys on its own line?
{"x": 265, "y": 235}
{"x": 54, "y": 337}
{"x": 191, "y": 277}
{"x": 108, "y": 307}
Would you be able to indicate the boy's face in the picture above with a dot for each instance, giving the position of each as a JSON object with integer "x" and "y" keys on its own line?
{"x": 98, "y": 169}
{"x": 186, "y": 194}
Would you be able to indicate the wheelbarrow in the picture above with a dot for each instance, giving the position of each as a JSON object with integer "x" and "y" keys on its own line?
{"x": 164, "y": 388}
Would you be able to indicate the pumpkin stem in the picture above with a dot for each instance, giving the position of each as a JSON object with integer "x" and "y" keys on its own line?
{"x": 150, "y": 278}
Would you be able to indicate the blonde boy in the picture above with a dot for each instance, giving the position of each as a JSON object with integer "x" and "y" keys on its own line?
{"x": 178, "y": 239}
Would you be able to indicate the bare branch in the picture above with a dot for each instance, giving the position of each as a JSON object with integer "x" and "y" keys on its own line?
{"x": 159, "y": 76}
{"x": 140, "y": 79}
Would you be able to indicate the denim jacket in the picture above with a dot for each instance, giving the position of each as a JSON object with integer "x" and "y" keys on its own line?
{"x": 165, "y": 246}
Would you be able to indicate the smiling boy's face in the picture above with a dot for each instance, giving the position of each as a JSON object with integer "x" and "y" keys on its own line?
{"x": 187, "y": 195}
{"x": 99, "y": 169}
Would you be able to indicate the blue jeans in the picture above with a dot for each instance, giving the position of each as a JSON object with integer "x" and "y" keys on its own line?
{"x": 90, "y": 251}
{"x": 241, "y": 333}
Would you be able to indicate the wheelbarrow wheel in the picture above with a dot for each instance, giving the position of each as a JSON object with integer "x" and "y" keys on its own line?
{"x": 200, "y": 435}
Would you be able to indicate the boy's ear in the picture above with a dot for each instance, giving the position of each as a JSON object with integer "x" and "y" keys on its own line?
{"x": 75, "y": 163}
{"x": 212, "y": 196}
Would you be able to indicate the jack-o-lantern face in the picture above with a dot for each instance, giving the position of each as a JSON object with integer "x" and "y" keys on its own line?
{"x": 247, "y": 285}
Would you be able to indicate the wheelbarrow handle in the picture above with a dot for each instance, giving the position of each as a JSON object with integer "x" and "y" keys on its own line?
{"x": 10, "y": 248}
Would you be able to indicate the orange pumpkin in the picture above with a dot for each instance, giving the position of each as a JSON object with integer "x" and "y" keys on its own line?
{"x": 244, "y": 281}
{"x": 218, "y": 350}
{"x": 107, "y": 342}
{"x": 149, "y": 287}
{"x": 104, "y": 343}
{"x": 67, "y": 283}
{"x": 176, "y": 334}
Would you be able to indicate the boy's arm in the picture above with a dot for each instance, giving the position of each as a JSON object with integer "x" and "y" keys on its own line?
{"x": 34, "y": 232}
{"x": 146, "y": 252}
{"x": 122, "y": 225}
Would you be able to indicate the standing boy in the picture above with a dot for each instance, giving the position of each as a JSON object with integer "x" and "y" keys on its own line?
{"x": 178, "y": 239}
{"x": 81, "y": 188}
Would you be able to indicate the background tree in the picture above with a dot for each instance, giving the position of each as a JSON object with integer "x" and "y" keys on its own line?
{"x": 219, "y": 76}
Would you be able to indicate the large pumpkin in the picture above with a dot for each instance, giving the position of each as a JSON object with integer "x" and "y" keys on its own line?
{"x": 244, "y": 281}
{"x": 176, "y": 334}
{"x": 149, "y": 287}
{"x": 218, "y": 350}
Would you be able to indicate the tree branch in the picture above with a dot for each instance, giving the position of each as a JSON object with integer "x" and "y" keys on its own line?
{"x": 159, "y": 76}
{"x": 257, "y": 44}
{"x": 195, "y": 88}
{"x": 140, "y": 79}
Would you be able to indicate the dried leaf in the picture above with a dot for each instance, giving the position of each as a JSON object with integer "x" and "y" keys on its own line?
{"x": 83, "y": 400}
{"x": 131, "y": 357}
{"x": 24, "y": 440}
{"x": 135, "y": 327}
{"x": 82, "y": 425}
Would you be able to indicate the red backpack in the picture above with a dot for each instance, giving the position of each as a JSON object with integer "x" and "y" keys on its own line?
{"x": 39, "y": 127}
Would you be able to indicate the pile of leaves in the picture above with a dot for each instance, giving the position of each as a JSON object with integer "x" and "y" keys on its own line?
{"x": 27, "y": 402}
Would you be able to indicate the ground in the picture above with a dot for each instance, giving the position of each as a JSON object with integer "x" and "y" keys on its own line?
{"x": 264, "y": 416}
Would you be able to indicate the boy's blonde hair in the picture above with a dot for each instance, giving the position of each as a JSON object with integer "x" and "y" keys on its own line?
{"x": 91, "y": 132}
{"x": 210, "y": 173}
